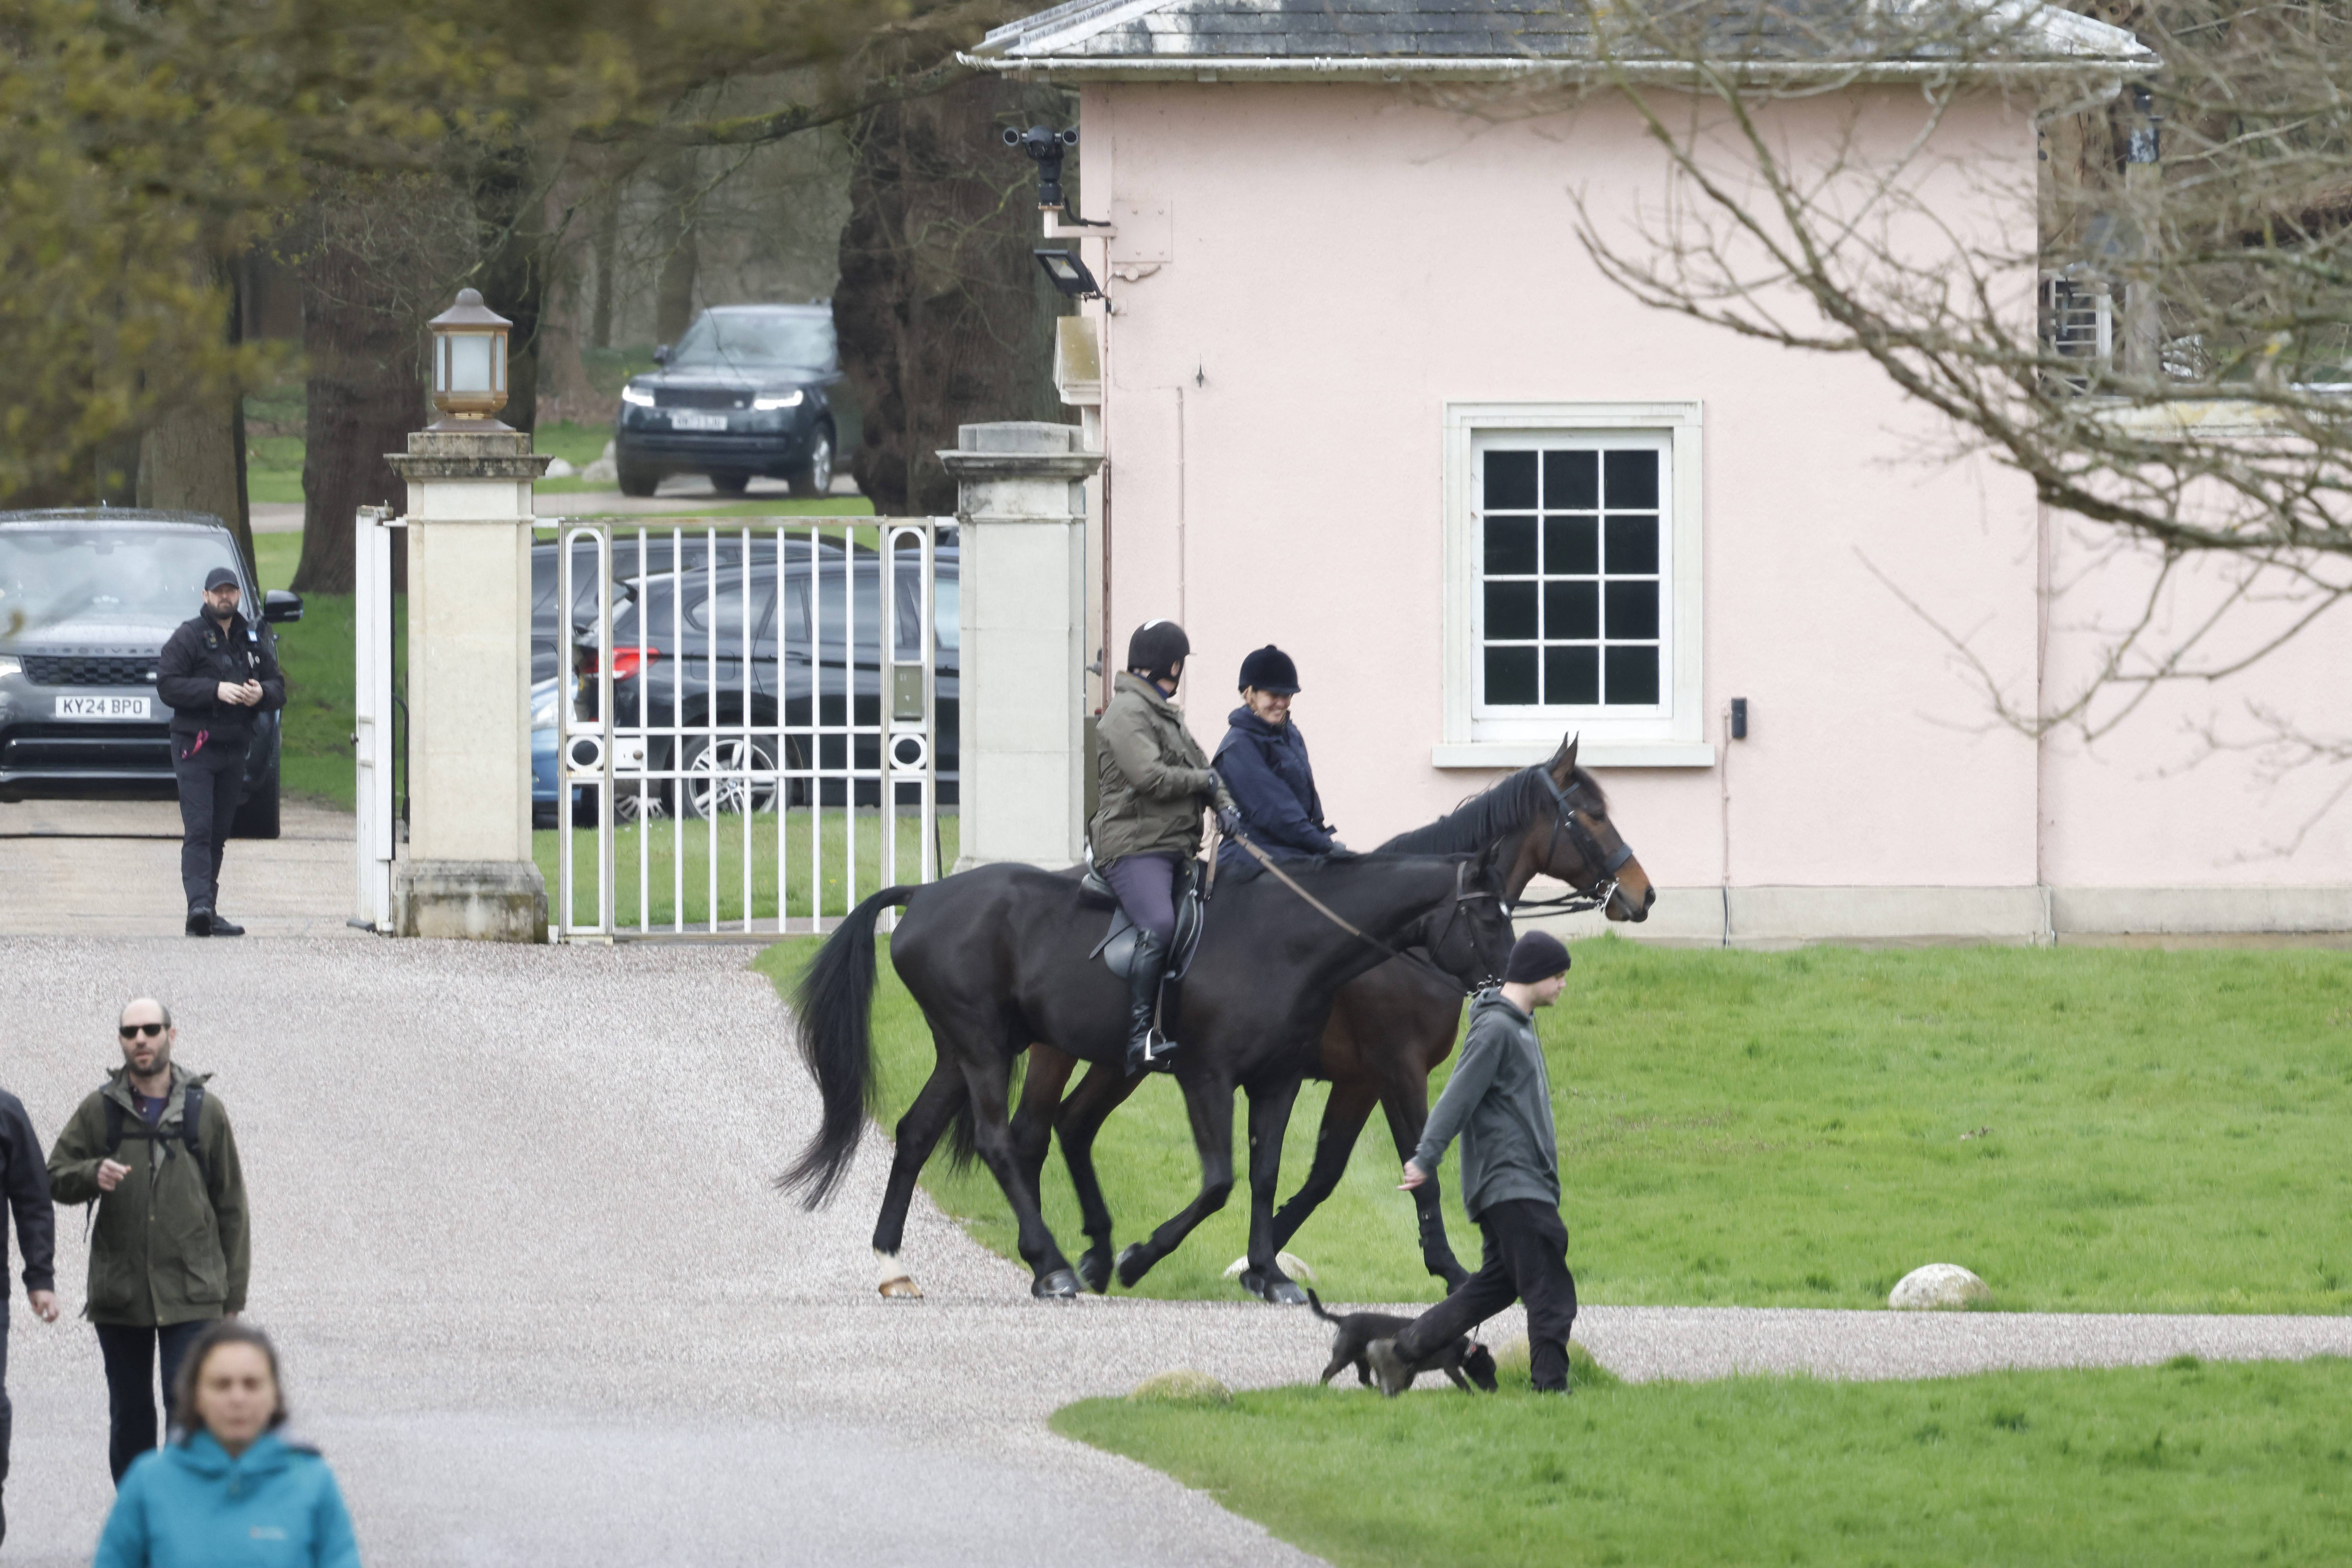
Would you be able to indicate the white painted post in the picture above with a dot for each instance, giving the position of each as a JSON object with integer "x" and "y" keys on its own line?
{"x": 372, "y": 721}
{"x": 1023, "y": 570}
{"x": 469, "y": 872}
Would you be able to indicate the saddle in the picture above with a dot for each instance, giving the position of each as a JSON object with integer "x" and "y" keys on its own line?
{"x": 1117, "y": 948}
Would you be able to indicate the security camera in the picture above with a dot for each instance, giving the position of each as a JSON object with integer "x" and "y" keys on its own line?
{"x": 1046, "y": 146}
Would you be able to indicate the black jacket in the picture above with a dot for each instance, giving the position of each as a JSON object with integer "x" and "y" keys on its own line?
{"x": 202, "y": 654}
{"x": 1272, "y": 784}
{"x": 26, "y": 1177}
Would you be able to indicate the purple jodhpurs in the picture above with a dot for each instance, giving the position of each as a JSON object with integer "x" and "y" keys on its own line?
{"x": 1146, "y": 886}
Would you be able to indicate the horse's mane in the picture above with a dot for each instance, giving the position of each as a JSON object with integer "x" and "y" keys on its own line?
{"x": 1487, "y": 817}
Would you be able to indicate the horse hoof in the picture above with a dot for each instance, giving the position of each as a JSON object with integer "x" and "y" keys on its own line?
{"x": 1282, "y": 1293}
{"x": 1132, "y": 1265}
{"x": 1094, "y": 1269}
{"x": 900, "y": 1290}
{"x": 1058, "y": 1286}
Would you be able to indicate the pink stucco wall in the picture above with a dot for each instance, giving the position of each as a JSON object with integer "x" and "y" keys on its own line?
{"x": 1347, "y": 259}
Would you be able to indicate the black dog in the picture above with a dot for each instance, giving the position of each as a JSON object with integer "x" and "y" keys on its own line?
{"x": 1359, "y": 1330}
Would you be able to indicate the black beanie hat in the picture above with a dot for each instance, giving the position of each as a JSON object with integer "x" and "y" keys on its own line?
{"x": 1270, "y": 669}
{"x": 1538, "y": 955}
{"x": 1157, "y": 648}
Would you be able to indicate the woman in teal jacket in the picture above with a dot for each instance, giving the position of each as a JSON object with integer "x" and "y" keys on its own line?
{"x": 230, "y": 1491}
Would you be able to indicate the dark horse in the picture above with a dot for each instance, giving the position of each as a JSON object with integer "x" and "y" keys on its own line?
{"x": 1388, "y": 1029}
{"x": 998, "y": 959}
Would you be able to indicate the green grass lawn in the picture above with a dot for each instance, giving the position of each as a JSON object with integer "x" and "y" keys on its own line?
{"x": 316, "y": 654}
{"x": 2186, "y": 1464}
{"x": 671, "y": 847}
{"x": 2165, "y": 1131}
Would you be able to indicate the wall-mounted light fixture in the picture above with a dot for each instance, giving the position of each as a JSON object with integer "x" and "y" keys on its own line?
{"x": 1740, "y": 717}
{"x": 1069, "y": 274}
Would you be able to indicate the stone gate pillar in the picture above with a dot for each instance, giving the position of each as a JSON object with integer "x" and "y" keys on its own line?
{"x": 469, "y": 871}
{"x": 1023, "y": 568}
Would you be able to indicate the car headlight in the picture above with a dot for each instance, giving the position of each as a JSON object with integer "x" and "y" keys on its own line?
{"x": 770, "y": 401}
{"x": 9, "y": 665}
{"x": 544, "y": 699}
{"x": 642, "y": 396}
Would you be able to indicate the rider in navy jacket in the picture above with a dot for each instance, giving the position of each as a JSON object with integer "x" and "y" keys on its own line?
{"x": 1263, "y": 760}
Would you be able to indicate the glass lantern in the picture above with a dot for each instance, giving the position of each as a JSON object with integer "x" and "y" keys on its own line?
{"x": 469, "y": 359}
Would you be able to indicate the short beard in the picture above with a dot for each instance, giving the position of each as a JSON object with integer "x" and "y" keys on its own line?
{"x": 223, "y": 617}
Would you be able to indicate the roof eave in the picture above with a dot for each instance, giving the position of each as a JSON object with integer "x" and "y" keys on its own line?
{"x": 1177, "y": 67}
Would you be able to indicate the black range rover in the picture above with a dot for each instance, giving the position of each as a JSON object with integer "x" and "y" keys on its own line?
{"x": 87, "y": 599}
{"x": 745, "y": 392}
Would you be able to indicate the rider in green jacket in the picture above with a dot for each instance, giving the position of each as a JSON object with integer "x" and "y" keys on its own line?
{"x": 1154, "y": 781}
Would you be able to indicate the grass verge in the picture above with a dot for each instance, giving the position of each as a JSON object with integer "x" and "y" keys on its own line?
{"x": 675, "y": 852}
{"x": 2088, "y": 1129}
{"x": 316, "y": 654}
{"x": 2192, "y": 1463}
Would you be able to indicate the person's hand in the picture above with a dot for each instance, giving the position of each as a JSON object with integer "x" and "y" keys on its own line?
{"x": 230, "y": 692}
{"x": 110, "y": 1174}
{"x": 252, "y": 691}
{"x": 1229, "y": 822}
{"x": 1338, "y": 848}
{"x": 45, "y": 1305}
{"x": 1413, "y": 1176}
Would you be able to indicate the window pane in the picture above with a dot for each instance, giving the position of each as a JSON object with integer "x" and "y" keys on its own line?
{"x": 1634, "y": 675}
{"x": 1511, "y": 675}
{"x": 1571, "y": 480}
{"x": 1633, "y": 480}
{"x": 1510, "y": 480}
{"x": 1571, "y": 610}
{"x": 1510, "y": 610}
{"x": 1633, "y": 545}
{"x": 1632, "y": 610}
{"x": 1571, "y": 546}
{"x": 1510, "y": 546}
{"x": 1572, "y": 675}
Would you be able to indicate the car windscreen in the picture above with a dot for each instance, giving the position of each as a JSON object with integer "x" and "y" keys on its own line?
{"x": 49, "y": 576}
{"x": 746, "y": 340}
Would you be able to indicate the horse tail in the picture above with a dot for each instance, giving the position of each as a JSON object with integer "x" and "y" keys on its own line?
{"x": 833, "y": 1007}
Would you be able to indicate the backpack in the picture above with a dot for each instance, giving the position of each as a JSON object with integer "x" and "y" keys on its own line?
{"x": 119, "y": 1125}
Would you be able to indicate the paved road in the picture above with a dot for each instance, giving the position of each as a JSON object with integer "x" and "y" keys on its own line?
{"x": 112, "y": 868}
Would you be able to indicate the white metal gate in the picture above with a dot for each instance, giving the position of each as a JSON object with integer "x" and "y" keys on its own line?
{"x": 373, "y": 735}
{"x": 744, "y": 727}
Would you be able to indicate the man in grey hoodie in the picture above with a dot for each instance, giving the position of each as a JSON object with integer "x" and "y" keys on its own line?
{"x": 1499, "y": 1100}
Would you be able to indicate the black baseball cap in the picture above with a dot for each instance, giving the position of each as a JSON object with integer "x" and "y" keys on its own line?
{"x": 221, "y": 577}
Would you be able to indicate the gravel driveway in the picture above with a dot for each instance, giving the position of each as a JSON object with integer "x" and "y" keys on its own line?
{"x": 514, "y": 1231}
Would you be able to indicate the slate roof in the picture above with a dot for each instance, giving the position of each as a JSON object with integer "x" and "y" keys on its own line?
{"x": 1438, "y": 37}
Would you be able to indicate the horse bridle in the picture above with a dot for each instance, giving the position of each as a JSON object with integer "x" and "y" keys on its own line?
{"x": 1463, "y": 893}
{"x": 1588, "y": 849}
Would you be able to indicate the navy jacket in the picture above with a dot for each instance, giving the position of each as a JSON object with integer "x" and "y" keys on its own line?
{"x": 202, "y": 654}
{"x": 24, "y": 1179}
{"x": 1273, "y": 786}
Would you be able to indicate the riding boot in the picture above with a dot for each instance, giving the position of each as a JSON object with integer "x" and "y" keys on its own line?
{"x": 1149, "y": 964}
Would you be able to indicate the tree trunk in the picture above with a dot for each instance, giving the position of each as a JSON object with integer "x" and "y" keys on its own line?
{"x": 366, "y": 397}
{"x": 192, "y": 457}
{"x": 944, "y": 317}
{"x": 608, "y": 261}
{"x": 507, "y": 201}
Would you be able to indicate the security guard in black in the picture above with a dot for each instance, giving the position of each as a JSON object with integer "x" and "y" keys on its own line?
{"x": 217, "y": 674}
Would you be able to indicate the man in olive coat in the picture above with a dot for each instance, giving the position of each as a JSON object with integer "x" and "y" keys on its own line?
{"x": 169, "y": 1253}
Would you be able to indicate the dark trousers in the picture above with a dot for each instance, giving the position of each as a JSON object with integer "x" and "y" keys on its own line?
{"x": 212, "y": 786}
{"x": 8, "y": 1420}
{"x": 1527, "y": 1259}
{"x": 1146, "y": 886}
{"x": 130, "y": 1354}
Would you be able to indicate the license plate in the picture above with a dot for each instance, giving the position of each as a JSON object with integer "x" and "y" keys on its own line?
{"x": 683, "y": 420}
{"x": 101, "y": 708}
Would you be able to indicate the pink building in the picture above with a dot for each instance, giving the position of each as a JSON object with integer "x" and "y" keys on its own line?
{"x": 1363, "y": 392}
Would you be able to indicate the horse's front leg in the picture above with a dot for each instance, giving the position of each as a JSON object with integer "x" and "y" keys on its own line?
{"x": 1269, "y": 1118}
{"x": 1407, "y": 1104}
{"x": 1209, "y": 1102}
{"x": 1103, "y": 1091}
{"x": 989, "y": 1075}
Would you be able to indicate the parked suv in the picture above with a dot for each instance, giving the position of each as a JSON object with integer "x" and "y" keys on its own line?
{"x": 87, "y": 599}
{"x": 744, "y": 392}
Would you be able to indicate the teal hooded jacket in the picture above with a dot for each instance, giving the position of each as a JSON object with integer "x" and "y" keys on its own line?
{"x": 189, "y": 1505}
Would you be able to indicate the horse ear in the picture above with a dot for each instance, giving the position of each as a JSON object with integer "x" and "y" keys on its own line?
{"x": 1562, "y": 766}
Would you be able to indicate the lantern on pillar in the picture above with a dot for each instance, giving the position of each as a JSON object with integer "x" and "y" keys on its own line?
{"x": 469, "y": 362}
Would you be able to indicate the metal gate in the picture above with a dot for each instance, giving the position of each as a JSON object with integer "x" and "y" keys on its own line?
{"x": 751, "y": 725}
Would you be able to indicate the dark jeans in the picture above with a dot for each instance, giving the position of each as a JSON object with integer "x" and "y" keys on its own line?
{"x": 130, "y": 1353}
{"x": 212, "y": 786}
{"x": 1146, "y": 886}
{"x": 1527, "y": 1259}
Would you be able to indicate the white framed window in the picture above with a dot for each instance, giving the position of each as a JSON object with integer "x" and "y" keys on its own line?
{"x": 1574, "y": 584}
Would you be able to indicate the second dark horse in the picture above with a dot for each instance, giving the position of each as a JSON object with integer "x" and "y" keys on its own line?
{"x": 997, "y": 959}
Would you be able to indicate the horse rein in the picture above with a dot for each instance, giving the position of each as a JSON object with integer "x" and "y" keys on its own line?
{"x": 1462, "y": 894}
{"x": 1581, "y": 900}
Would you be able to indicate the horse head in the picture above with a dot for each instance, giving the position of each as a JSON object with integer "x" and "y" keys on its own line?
{"x": 1579, "y": 844}
{"x": 1470, "y": 937}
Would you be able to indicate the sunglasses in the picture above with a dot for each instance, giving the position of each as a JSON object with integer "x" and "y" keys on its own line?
{"x": 132, "y": 1031}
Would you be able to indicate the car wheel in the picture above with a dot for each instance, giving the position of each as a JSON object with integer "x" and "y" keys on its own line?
{"x": 730, "y": 484}
{"x": 257, "y": 817}
{"x": 726, "y": 774}
{"x": 815, "y": 478}
{"x": 636, "y": 480}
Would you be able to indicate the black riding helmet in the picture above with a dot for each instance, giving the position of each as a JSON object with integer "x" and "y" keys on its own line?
{"x": 1157, "y": 648}
{"x": 1270, "y": 669}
